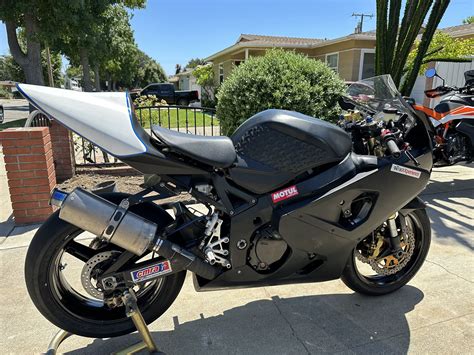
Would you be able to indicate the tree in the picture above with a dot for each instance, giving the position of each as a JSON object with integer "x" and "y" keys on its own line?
{"x": 26, "y": 14}
{"x": 178, "y": 69}
{"x": 204, "y": 75}
{"x": 395, "y": 40}
{"x": 149, "y": 71}
{"x": 442, "y": 48}
{"x": 279, "y": 79}
{"x": 194, "y": 62}
{"x": 10, "y": 70}
{"x": 468, "y": 20}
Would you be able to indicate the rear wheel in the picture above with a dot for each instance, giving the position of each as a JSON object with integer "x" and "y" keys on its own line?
{"x": 376, "y": 276}
{"x": 59, "y": 272}
{"x": 183, "y": 102}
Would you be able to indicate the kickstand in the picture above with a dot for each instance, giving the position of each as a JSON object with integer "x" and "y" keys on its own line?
{"x": 131, "y": 308}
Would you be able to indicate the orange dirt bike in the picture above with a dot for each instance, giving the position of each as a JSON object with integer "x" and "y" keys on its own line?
{"x": 453, "y": 120}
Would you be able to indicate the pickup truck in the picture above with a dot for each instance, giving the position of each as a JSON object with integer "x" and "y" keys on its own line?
{"x": 167, "y": 92}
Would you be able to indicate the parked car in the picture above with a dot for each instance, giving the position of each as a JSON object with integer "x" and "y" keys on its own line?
{"x": 2, "y": 114}
{"x": 167, "y": 92}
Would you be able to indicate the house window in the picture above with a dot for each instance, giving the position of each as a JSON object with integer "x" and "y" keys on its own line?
{"x": 221, "y": 73}
{"x": 237, "y": 62}
{"x": 332, "y": 60}
{"x": 367, "y": 64}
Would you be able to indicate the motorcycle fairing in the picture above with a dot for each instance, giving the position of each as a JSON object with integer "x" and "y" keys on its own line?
{"x": 313, "y": 223}
{"x": 103, "y": 118}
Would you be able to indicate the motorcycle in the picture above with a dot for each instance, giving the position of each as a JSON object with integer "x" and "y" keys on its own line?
{"x": 453, "y": 119}
{"x": 286, "y": 201}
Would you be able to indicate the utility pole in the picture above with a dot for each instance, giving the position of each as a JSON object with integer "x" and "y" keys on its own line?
{"x": 358, "y": 28}
{"x": 50, "y": 69}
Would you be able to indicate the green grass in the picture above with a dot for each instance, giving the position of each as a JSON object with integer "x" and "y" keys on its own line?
{"x": 16, "y": 123}
{"x": 170, "y": 119}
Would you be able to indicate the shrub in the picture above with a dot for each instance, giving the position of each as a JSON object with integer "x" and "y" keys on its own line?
{"x": 149, "y": 101}
{"x": 280, "y": 79}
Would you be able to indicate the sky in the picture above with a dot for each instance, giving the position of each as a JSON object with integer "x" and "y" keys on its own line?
{"x": 173, "y": 32}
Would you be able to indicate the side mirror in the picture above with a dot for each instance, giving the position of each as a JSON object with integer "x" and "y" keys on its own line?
{"x": 430, "y": 73}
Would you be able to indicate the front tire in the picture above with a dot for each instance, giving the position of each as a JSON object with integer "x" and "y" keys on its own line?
{"x": 381, "y": 285}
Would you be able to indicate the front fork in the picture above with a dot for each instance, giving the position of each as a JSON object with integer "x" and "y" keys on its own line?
{"x": 395, "y": 245}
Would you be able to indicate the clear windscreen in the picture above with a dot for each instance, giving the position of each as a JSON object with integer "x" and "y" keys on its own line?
{"x": 373, "y": 95}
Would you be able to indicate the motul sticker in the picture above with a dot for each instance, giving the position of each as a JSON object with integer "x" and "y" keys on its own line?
{"x": 152, "y": 271}
{"x": 284, "y": 194}
{"x": 406, "y": 171}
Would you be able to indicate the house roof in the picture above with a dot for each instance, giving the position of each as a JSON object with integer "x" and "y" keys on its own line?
{"x": 275, "y": 40}
{"x": 459, "y": 31}
{"x": 255, "y": 41}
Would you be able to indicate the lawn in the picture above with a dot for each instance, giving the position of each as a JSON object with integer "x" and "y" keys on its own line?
{"x": 173, "y": 118}
{"x": 16, "y": 123}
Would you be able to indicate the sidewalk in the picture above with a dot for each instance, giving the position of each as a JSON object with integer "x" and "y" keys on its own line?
{"x": 433, "y": 314}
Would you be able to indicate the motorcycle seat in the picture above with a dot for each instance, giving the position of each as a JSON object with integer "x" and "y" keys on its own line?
{"x": 218, "y": 152}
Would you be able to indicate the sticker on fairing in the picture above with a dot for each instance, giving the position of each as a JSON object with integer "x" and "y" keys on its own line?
{"x": 151, "y": 271}
{"x": 284, "y": 194}
{"x": 406, "y": 171}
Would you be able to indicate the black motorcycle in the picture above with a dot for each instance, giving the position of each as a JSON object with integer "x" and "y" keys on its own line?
{"x": 287, "y": 200}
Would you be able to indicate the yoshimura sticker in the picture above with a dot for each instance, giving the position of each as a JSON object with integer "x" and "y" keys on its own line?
{"x": 406, "y": 171}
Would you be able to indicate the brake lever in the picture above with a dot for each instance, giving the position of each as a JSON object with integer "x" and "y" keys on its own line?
{"x": 412, "y": 158}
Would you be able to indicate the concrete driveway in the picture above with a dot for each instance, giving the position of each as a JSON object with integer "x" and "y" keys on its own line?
{"x": 433, "y": 314}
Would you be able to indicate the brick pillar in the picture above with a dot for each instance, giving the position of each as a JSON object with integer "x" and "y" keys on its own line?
{"x": 62, "y": 151}
{"x": 30, "y": 172}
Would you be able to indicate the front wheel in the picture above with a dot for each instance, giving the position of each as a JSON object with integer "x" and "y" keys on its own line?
{"x": 372, "y": 270}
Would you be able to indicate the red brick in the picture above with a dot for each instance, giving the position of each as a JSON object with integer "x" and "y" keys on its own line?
{"x": 41, "y": 149}
{"x": 26, "y": 205}
{"x": 33, "y": 166}
{"x": 38, "y": 132}
{"x": 33, "y": 182}
{"x": 12, "y": 167}
{"x": 14, "y": 175}
{"x": 14, "y": 133}
{"x": 11, "y": 159}
{"x": 16, "y": 151}
{"x": 31, "y": 158}
{"x": 29, "y": 190}
{"x": 31, "y": 196}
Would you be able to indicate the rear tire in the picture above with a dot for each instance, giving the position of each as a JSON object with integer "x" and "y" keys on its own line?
{"x": 384, "y": 285}
{"x": 66, "y": 309}
{"x": 183, "y": 102}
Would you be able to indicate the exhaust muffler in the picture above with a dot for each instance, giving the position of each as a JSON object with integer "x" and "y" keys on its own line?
{"x": 117, "y": 225}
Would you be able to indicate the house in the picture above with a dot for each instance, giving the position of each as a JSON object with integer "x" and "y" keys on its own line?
{"x": 187, "y": 81}
{"x": 352, "y": 56}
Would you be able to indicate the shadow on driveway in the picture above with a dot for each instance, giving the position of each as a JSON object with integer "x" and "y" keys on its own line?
{"x": 310, "y": 324}
{"x": 449, "y": 216}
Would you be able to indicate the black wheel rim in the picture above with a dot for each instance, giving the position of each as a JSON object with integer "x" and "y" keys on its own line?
{"x": 387, "y": 280}
{"x": 86, "y": 308}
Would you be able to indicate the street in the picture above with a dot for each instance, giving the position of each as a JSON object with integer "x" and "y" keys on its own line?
{"x": 15, "y": 109}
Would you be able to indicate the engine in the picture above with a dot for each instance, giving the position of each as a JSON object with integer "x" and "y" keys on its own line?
{"x": 456, "y": 147}
{"x": 267, "y": 251}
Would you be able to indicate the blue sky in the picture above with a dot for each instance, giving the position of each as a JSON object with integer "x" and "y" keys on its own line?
{"x": 175, "y": 31}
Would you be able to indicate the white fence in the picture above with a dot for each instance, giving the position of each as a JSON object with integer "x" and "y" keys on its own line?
{"x": 452, "y": 72}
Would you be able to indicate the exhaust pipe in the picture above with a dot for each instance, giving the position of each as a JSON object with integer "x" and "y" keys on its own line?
{"x": 116, "y": 225}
